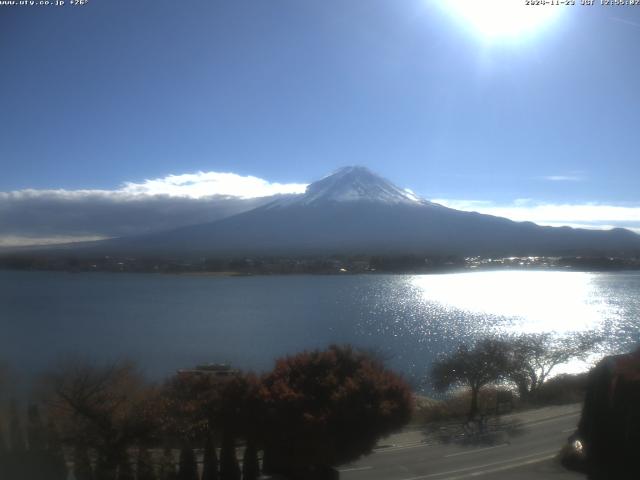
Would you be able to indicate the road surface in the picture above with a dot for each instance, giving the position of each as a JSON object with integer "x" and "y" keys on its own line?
{"x": 526, "y": 450}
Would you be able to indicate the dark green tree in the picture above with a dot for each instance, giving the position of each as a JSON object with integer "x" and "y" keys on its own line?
{"x": 16, "y": 438}
{"x": 105, "y": 468}
{"x": 210, "y": 466}
{"x": 57, "y": 465}
{"x": 125, "y": 470}
{"x": 36, "y": 434}
{"x": 81, "y": 463}
{"x": 17, "y": 463}
{"x": 609, "y": 426}
{"x": 4, "y": 454}
{"x": 3, "y": 444}
{"x": 237, "y": 416}
{"x": 167, "y": 468}
{"x": 229, "y": 468}
{"x": 145, "y": 465}
{"x": 200, "y": 406}
{"x": 250, "y": 463}
{"x": 188, "y": 467}
{"x": 37, "y": 457}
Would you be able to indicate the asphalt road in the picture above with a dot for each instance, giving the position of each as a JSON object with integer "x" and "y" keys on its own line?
{"x": 521, "y": 452}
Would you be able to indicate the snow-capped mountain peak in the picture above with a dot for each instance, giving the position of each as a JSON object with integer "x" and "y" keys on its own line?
{"x": 354, "y": 211}
{"x": 354, "y": 184}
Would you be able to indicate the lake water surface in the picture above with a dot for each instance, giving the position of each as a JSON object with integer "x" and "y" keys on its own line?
{"x": 165, "y": 322}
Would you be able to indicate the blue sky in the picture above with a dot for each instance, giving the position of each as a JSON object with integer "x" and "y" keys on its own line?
{"x": 118, "y": 91}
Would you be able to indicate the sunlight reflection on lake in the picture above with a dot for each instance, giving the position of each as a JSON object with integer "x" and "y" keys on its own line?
{"x": 166, "y": 322}
{"x": 439, "y": 312}
{"x": 533, "y": 301}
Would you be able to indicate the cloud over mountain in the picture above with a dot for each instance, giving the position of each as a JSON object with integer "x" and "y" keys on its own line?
{"x": 579, "y": 215}
{"x": 204, "y": 184}
{"x": 30, "y": 216}
{"x": 58, "y": 216}
{"x": 353, "y": 210}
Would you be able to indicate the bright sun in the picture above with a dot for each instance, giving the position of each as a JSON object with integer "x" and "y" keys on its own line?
{"x": 501, "y": 18}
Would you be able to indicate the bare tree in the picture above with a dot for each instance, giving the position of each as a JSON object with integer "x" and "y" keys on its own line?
{"x": 106, "y": 408}
{"x": 474, "y": 367}
{"x": 534, "y": 356}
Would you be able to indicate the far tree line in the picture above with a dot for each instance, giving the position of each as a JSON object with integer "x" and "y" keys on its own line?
{"x": 335, "y": 263}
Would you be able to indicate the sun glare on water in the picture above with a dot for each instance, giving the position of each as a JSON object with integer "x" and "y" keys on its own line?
{"x": 534, "y": 301}
{"x": 493, "y": 19}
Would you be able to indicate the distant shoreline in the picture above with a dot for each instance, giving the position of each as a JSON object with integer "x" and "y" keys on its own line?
{"x": 231, "y": 274}
{"x": 336, "y": 264}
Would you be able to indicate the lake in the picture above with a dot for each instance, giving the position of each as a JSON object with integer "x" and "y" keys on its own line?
{"x": 166, "y": 322}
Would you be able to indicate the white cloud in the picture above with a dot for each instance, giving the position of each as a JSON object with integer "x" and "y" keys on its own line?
{"x": 204, "y": 184}
{"x": 36, "y": 217}
{"x": 625, "y": 21}
{"x": 29, "y": 217}
{"x": 189, "y": 185}
{"x": 17, "y": 241}
{"x": 584, "y": 215}
{"x": 564, "y": 178}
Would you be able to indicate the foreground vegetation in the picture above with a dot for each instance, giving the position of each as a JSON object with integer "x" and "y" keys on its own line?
{"x": 523, "y": 361}
{"x": 454, "y": 410}
{"x": 314, "y": 410}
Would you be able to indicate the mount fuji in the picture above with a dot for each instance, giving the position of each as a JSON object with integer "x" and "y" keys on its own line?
{"x": 354, "y": 211}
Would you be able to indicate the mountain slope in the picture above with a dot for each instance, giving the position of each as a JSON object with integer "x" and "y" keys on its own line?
{"x": 356, "y": 211}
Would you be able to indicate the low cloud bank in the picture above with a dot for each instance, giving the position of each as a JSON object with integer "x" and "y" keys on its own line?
{"x": 587, "y": 215}
{"x": 202, "y": 184}
{"x": 46, "y": 217}
{"x": 37, "y": 217}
